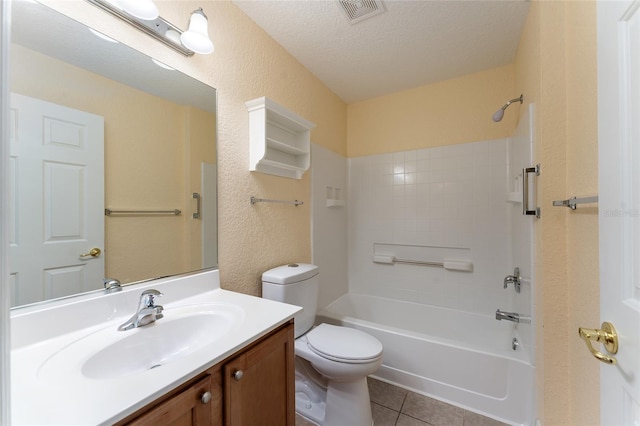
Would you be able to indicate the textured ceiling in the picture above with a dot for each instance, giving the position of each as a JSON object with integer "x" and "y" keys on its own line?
{"x": 411, "y": 44}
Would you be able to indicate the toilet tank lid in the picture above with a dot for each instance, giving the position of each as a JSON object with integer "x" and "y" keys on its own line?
{"x": 291, "y": 273}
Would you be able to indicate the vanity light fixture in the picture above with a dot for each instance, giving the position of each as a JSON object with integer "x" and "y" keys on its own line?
{"x": 141, "y": 9}
{"x": 193, "y": 40}
{"x": 196, "y": 37}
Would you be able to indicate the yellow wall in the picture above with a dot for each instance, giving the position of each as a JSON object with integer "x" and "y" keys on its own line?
{"x": 556, "y": 68}
{"x": 245, "y": 65}
{"x": 582, "y": 224}
{"x": 445, "y": 113}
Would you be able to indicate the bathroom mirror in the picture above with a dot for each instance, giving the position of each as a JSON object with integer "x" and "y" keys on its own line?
{"x": 113, "y": 161}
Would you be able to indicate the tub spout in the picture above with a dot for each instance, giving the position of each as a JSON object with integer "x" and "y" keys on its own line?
{"x": 512, "y": 316}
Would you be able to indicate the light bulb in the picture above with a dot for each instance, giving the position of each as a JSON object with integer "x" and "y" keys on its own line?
{"x": 196, "y": 38}
{"x": 173, "y": 35}
{"x": 141, "y": 9}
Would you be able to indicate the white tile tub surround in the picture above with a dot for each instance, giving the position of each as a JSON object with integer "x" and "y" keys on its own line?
{"x": 445, "y": 196}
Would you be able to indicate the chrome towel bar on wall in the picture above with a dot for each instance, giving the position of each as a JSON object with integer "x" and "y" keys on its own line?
{"x": 573, "y": 202}
{"x": 111, "y": 212}
{"x": 265, "y": 200}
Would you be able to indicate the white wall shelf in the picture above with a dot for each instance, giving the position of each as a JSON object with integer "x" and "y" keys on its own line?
{"x": 279, "y": 140}
{"x": 514, "y": 197}
{"x": 335, "y": 203}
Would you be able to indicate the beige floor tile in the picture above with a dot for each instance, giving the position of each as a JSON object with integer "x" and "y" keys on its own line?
{"x": 383, "y": 416}
{"x": 404, "y": 420}
{"x": 416, "y": 410}
{"x": 473, "y": 419}
{"x": 385, "y": 394}
{"x": 301, "y": 421}
{"x": 432, "y": 411}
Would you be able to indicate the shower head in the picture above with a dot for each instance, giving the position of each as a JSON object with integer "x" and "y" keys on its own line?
{"x": 500, "y": 113}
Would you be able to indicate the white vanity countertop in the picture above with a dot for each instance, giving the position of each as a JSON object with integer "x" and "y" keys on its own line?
{"x": 40, "y": 332}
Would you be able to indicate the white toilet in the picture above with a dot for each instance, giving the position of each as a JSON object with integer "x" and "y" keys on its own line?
{"x": 332, "y": 362}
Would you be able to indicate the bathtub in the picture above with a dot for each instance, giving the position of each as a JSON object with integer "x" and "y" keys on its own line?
{"x": 461, "y": 358}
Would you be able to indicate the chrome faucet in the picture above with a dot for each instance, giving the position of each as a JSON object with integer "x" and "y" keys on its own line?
{"x": 111, "y": 285}
{"x": 512, "y": 316}
{"x": 147, "y": 312}
{"x": 515, "y": 279}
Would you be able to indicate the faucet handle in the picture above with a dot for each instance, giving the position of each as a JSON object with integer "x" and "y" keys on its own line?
{"x": 111, "y": 284}
{"x": 148, "y": 298}
{"x": 515, "y": 279}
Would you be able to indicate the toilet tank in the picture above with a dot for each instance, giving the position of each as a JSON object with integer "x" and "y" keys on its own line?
{"x": 296, "y": 284}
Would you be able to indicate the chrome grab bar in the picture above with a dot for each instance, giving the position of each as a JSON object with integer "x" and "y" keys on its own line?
{"x": 525, "y": 191}
{"x": 110, "y": 212}
{"x": 196, "y": 215}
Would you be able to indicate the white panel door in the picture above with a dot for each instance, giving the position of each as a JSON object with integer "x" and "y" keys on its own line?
{"x": 57, "y": 186}
{"x": 619, "y": 192}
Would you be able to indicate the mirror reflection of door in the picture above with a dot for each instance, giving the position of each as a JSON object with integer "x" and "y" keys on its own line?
{"x": 57, "y": 191}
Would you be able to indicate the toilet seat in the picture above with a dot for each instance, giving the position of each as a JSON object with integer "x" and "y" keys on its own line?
{"x": 343, "y": 344}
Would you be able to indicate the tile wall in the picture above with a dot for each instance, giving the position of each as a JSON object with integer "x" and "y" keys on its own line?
{"x": 451, "y": 196}
{"x": 329, "y": 222}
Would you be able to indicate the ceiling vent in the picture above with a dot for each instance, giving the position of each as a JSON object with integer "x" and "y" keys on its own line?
{"x": 359, "y": 10}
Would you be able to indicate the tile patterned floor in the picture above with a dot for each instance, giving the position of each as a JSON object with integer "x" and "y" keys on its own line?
{"x": 394, "y": 406}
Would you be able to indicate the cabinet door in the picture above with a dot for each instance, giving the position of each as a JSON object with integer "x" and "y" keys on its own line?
{"x": 259, "y": 384}
{"x": 192, "y": 406}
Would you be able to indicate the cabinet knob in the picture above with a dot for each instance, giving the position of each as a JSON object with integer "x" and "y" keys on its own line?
{"x": 206, "y": 397}
{"x": 238, "y": 375}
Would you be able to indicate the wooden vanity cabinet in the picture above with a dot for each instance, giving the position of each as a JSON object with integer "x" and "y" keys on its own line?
{"x": 192, "y": 406}
{"x": 255, "y": 386}
{"x": 259, "y": 383}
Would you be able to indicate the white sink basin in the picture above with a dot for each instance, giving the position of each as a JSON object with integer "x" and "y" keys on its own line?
{"x": 109, "y": 354}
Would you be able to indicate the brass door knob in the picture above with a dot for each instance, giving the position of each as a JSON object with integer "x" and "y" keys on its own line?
{"x": 606, "y": 335}
{"x": 94, "y": 252}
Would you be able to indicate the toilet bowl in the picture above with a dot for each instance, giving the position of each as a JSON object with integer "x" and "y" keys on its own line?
{"x": 332, "y": 362}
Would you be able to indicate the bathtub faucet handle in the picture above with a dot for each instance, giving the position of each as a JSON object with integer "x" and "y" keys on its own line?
{"x": 515, "y": 279}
